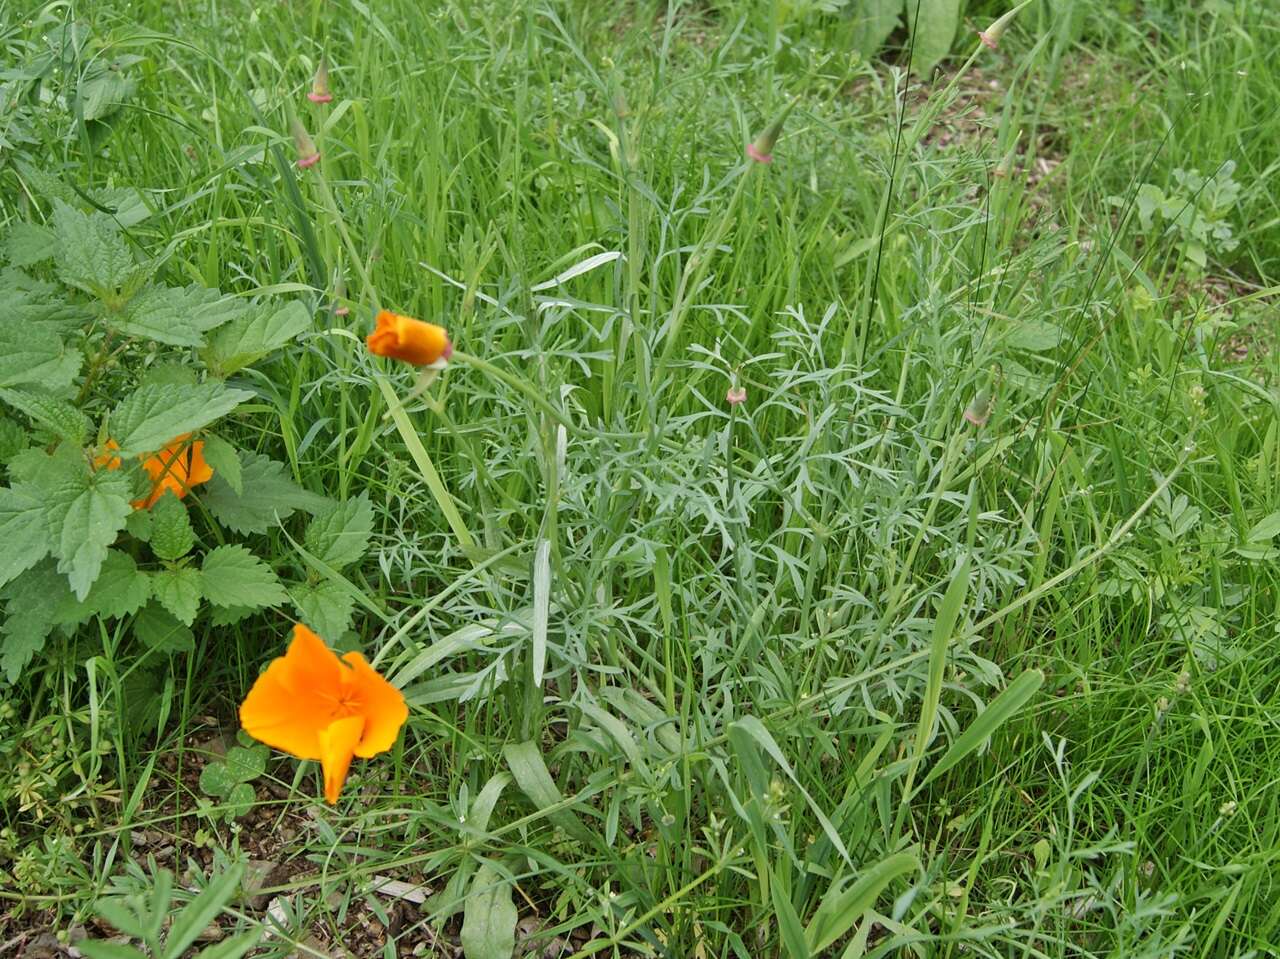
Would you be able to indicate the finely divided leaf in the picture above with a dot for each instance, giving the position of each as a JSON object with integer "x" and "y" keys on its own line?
{"x": 339, "y": 535}
{"x": 152, "y": 416}
{"x": 234, "y": 577}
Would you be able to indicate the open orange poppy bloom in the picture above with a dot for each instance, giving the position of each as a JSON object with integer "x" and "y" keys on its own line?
{"x": 316, "y": 706}
{"x": 177, "y": 467}
{"x": 404, "y": 338}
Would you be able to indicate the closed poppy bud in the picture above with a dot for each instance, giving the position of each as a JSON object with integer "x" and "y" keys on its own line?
{"x": 979, "y": 410}
{"x": 991, "y": 36}
{"x": 308, "y": 154}
{"x": 761, "y": 148}
{"x": 736, "y": 395}
{"x": 314, "y": 705}
{"x": 413, "y": 341}
{"x": 320, "y": 85}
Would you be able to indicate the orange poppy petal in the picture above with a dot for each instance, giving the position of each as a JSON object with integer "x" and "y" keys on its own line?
{"x": 272, "y": 714}
{"x": 198, "y": 471}
{"x": 404, "y": 338}
{"x": 337, "y": 747}
{"x": 381, "y": 704}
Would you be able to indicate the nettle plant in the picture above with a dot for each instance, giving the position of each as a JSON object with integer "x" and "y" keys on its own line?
{"x": 123, "y": 503}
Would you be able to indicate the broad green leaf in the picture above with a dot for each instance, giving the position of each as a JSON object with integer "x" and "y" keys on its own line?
{"x": 24, "y": 531}
{"x": 178, "y": 590}
{"x": 1001, "y": 709}
{"x": 269, "y": 496}
{"x": 325, "y": 607}
{"x": 224, "y": 461}
{"x": 103, "y": 91}
{"x": 541, "y": 608}
{"x": 1034, "y": 335}
{"x": 264, "y": 328}
{"x": 175, "y": 316}
{"x": 120, "y": 589}
{"x": 530, "y": 772}
{"x": 233, "y": 948}
{"x": 86, "y": 511}
{"x": 234, "y": 577}
{"x": 239, "y": 801}
{"x": 28, "y": 243}
{"x": 1265, "y": 529}
{"x": 873, "y": 21}
{"x": 59, "y": 417}
{"x": 202, "y": 910}
{"x": 483, "y": 805}
{"x": 489, "y": 918}
{"x": 943, "y": 627}
{"x": 101, "y": 949}
{"x": 845, "y": 902}
{"x": 789, "y": 928}
{"x": 29, "y": 617}
{"x": 339, "y": 535}
{"x": 153, "y": 416}
{"x": 171, "y": 534}
{"x": 156, "y": 627}
{"x": 35, "y": 356}
{"x": 246, "y": 764}
{"x": 216, "y": 780}
{"x": 92, "y": 255}
{"x": 933, "y": 26}
{"x": 13, "y": 439}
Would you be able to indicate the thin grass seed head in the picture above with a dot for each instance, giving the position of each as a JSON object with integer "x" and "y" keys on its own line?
{"x": 320, "y": 84}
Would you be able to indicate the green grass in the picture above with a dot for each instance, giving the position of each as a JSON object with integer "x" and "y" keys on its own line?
{"x": 744, "y": 683}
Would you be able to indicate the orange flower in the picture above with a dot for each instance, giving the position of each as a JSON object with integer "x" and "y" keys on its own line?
{"x": 177, "y": 467}
{"x": 404, "y": 338}
{"x": 316, "y": 706}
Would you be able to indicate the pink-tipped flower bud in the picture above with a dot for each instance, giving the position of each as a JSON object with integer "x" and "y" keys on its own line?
{"x": 320, "y": 84}
{"x": 340, "y": 294}
{"x": 761, "y": 148}
{"x": 990, "y": 37}
{"x": 308, "y": 155}
{"x": 736, "y": 395}
{"x": 979, "y": 409}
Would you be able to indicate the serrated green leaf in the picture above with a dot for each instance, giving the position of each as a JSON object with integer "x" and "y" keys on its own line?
{"x": 176, "y": 316}
{"x": 158, "y": 628}
{"x": 35, "y": 355}
{"x": 230, "y": 615}
{"x": 324, "y": 607}
{"x": 489, "y": 917}
{"x": 171, "y": 534}
{"x": 246, "y": 764}
{"x": 59, "y": 417}
{"x": 178, "y": 590}
{"x": 29, "y": 617}
{"x": 86, "y": 510}
{"x": 339, "y": 535}
{"x": 120, "y": 589}
{"x": 224, "y": 461}
{"x": 265, "y": 328}
{"x": 24, "y": 531}
{"x": 92, "y": 255}
{"x": 234, "y": 577}
{"x": 28, "y": 243}
{"x": 269, "y": 496}
{"x": 13, "y": 440}
{"x": 153, "y": 416}
{"x": 138, "y": 525}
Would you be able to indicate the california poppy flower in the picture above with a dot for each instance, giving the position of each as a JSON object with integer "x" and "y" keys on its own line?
{"x": 178, "y": 467}
{"x": 404, "y": 338}
{"x": 316, "y": 706}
